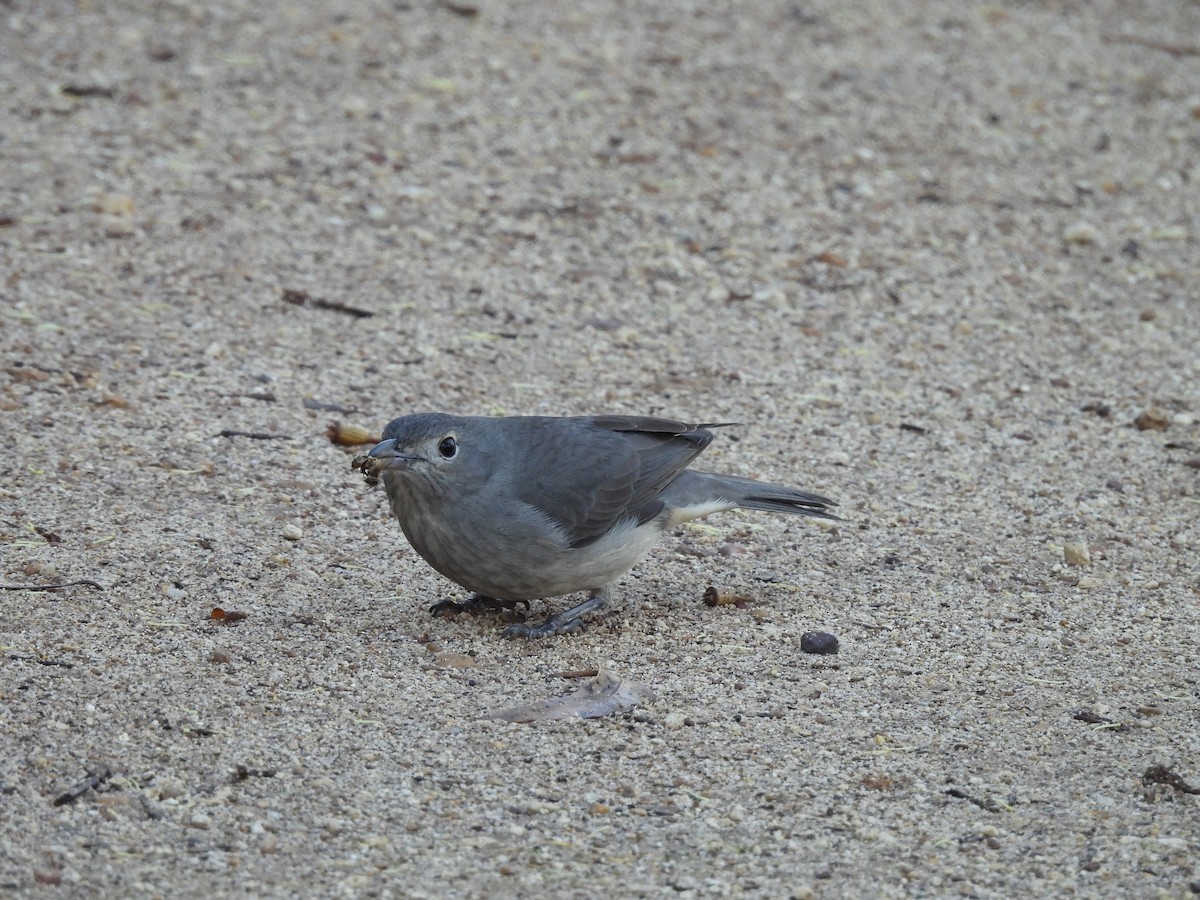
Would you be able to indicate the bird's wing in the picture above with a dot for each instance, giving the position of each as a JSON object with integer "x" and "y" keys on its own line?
{"x": 589, "y": 473}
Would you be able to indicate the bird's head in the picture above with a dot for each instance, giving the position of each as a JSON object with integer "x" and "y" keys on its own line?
{"x": 428, "y": 452}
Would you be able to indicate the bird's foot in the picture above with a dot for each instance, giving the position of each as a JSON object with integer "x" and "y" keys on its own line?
{"x": 569, "y": 621}
{"x": 475, "y": 604}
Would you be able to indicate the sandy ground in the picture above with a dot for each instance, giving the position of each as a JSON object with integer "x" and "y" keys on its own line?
{"x": 937, "y": 256}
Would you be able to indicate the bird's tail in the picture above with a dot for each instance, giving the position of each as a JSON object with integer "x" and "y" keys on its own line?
{"x": 694, "y": 494}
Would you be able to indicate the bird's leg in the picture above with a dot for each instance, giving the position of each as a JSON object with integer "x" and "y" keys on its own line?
{"x": 475, "y": 604}
{"x": 565, "y": 622}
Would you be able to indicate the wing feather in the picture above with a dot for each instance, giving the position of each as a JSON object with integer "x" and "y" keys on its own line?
{"x": 589, "y": 473}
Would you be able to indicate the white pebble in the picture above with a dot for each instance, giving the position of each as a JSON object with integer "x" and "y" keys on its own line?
{"x": 355, "y": 107}
{"x": 292, "y": 532}
{"x": 1081, "y": 233}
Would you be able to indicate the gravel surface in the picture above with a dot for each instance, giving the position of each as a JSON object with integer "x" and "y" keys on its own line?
{"x": 940, "y": 257}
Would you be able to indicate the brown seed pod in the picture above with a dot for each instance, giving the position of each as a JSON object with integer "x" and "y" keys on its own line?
{"x": 349, "y": 435}
{"x": 714, "y": 597}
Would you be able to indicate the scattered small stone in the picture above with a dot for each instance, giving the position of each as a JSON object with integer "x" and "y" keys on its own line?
{"x": 1088, "y": 582}
{"x": 821, "y": 642}
{"x": 115, "y": 214}
{"x": 1153, "y": 419}
{"x": 292, "y": 532}
{"x": 355, "y": 107}
{"x": 1077, "y": 554}
{"x": 1081, "y": 233}
{"x": 218, "y": 657}
{"x": 453, "y": 661}
{"x": 877, "y": 782}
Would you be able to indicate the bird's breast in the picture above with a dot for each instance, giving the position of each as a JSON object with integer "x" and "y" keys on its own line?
{"x": 517, "y": 554}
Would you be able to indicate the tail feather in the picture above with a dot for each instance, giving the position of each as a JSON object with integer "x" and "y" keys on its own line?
{"x": 707, "y": 492}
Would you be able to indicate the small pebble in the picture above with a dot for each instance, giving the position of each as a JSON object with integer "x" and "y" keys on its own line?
{"x": 453, "y": 661}
{"x": 1081, "y": 233}
{"x": 1152, "y": 420}
{"x": 818, "y": 642}
{"x": 292, "y": 532}
{"x": 355, "y": 107}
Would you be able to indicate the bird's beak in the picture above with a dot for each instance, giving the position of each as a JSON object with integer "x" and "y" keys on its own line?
{"x": 383, "y": 455}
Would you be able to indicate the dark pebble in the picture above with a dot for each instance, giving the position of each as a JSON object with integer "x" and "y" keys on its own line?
{"x": 818, "y": 642}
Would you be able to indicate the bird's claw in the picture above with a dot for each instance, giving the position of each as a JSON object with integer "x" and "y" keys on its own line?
{"x": 475, "y": 604}
{"x": 569, "y": 621}
{"x": 557, "y": 624}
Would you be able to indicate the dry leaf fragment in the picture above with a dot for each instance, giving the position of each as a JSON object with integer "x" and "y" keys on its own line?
{"x": 831, "y": 259}
{"x": 604, "y": 695}
{"x": 1077, "y": 553}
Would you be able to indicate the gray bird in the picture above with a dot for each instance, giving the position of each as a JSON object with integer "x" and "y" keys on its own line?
{"x": 525, "y": 507}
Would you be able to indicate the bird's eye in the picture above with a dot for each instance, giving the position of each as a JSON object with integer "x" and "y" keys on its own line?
{"x": 448, "y": 447}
